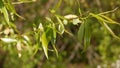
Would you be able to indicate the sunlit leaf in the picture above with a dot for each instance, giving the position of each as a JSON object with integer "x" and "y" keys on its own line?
{"x": 69, "y": 33}
{"x": 7, "y": 31}
{"x": 98, "y": 17}
{"x": 6, "y": 16}
{"x": 8, "y": 40}
{"x": 61, "y": 28}
{"x": 104, "y": 18}
{"x": 19, "y": 48}
{"x": 65, "y": 21}
{"x": 110, "y": 31}
{"x": 70, "y": 16}
{"x": 53, "y": 45}
{"x": 26, "y": 40}
{"x": 51, "y": 36}
{"x": 3, "y": 10}
{"x": 23, "y": 1}
{"x": 108, "y": 19}
{"x": 40, "y": 35}
{"x": 76, "y": 21}
{"x": 45, "y": 44}
{"x": 52, "y": 11}
{"x": 26, "y": 37}
{"x": 41, "y": 27}
{"x": 49, "y": 19}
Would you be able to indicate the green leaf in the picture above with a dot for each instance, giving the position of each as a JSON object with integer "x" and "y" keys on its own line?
{"x": 41, "y": 34}
{"x": 81, "y": 32}
{"x": 84, "y": 34}
{"x": 110, "y": 31}
{"x": 23, "y": 1}
{"x": 104, "y": 18}
{"x": 51, "y": 36}
{"x": 8, "y": 40}
{"x": 45, "y": 44}
{"x": 109, "y": 20}
{"x": 54, "y": 32}
{"x": 11, "y": 8}
{"x": 6, "y": 16}
{"x": 58, "y": 4}
{"x": 98, "y": 17}
{"x": 54, "y": 40}
{"x": 61, "y": 28}
{"x": 5, "y": 12}
{"x": 49, "y": 33}
{"x": 1, "y": 4}
{"x": 49, "y": 19}
{"x": 87, "y": 35}
{"x": 56, "y": 52}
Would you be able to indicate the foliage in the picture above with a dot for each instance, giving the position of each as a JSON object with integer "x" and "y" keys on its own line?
{"x": 43, "y": 34}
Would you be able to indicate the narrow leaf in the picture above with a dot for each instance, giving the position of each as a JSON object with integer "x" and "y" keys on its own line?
{"x": 26, "y": 38}
{"x": 11, "y": 8}
{"x": 58, "y": 4}
{"x": 81, "y": 32}
{"x": 51, "y": 36}
{"x": 87, "y": 36}
{"x": 56, "y": 52}
{"x": 6, "y": 16}
{"x": 54, "y": 34}
{"x": 98, "y": 17}
{"x": 61, "y": 28}
{"x": 45, "y": 44}
{"x": 8, "y": 40}
{"x": 70, "y": 16}
{"x": 53, "y": 41}
{"x": 19, "y": 48}
{"x": 110, "y": 31}
{"x": 110, "y": 20}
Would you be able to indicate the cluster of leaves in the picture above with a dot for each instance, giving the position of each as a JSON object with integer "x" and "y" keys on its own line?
{"x": 44, "y": 35}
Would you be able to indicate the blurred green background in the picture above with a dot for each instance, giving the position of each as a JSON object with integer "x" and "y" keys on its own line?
{"x": 103, "y": 52}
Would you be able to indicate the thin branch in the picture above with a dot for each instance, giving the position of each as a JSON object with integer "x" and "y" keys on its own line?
{"x": 109, "y": 11}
